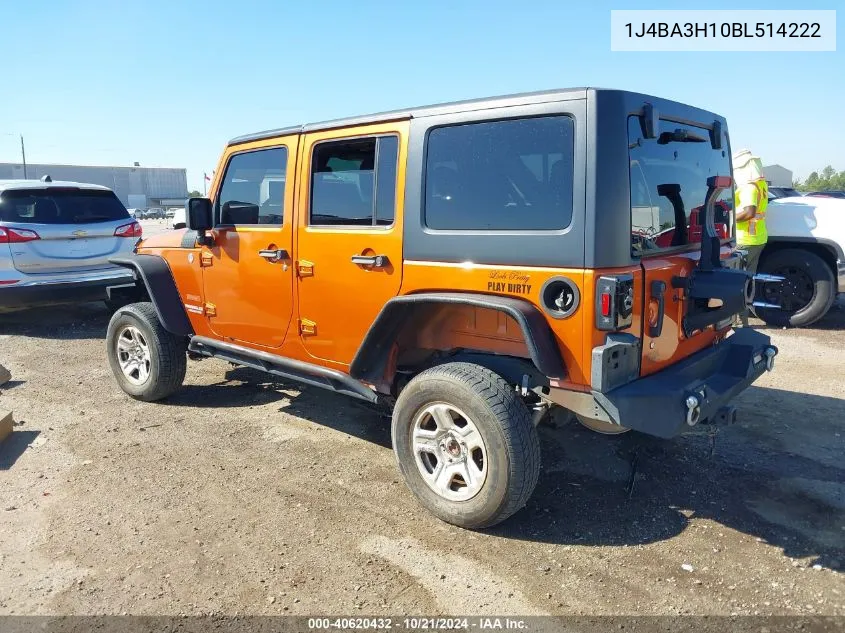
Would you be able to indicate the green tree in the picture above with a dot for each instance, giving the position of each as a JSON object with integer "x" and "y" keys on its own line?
{"x": 828, "y": 173}
{"x": 827, "y": 179}
{"x": 811, "y": 184}
{"x": 195, "y": 194}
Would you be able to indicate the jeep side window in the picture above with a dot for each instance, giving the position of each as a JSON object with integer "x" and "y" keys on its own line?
{"x": 353, "y": 182}
{"x": 510, "y": 175}
{"x": 253, "y": 190}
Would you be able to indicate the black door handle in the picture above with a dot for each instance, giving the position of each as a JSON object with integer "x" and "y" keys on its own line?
{"x": 658, "y": 291}
{"x": 376, "y": 261}
{"x": 273, "y": 255}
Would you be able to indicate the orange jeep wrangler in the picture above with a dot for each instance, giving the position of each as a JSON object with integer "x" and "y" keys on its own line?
{"x": 470, "y": 264}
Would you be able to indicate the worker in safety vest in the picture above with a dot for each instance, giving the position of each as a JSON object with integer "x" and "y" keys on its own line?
{"x": 750, "y": 200}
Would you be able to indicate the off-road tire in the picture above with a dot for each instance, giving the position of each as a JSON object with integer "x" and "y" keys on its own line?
{"x": 504, "y": 422}
{"x": 168, "y": 357}
{"x": 819, "y": 273}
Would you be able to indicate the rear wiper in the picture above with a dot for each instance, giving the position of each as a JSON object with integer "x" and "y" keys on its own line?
{"x": 90, "y": 218}
{"x": 680, "y": 135}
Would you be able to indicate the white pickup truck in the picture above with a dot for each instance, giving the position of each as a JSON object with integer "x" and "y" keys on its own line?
{"x": 807, "y": 248}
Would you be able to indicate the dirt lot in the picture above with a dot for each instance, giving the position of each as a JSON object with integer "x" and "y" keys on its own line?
{"x": 242, "y": 494}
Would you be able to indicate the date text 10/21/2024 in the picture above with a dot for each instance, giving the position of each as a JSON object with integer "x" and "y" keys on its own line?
{"x": 420, "y": 623}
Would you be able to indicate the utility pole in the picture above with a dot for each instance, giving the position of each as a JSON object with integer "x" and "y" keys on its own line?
{"x": 23, "y": 156}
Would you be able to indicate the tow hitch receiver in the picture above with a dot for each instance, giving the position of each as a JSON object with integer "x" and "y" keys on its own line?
{"x": 724, "y": 417}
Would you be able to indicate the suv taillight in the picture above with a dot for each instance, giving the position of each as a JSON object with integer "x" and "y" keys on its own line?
{"x": 133, "y": 229}
{"x": 9, "y": 235}
{"x": 614, "y": 302}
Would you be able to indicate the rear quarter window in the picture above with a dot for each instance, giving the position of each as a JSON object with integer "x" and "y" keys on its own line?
{"x": 507, "y": 175}
{"x": 60, "y": 206}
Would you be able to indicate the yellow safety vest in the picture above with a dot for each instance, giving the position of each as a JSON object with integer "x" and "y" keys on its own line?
{"x": 752, "y": 232}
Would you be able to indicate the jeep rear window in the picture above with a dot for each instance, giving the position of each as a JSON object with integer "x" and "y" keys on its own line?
{"x": 509, "y": 175}
{"x": 60, "y": 206}
{"x": 669, "y": 184}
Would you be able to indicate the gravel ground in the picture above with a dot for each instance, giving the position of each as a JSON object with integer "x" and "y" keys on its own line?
{"x": 242, "y": 494}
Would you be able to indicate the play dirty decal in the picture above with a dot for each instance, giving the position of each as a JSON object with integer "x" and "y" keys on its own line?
{"x": 509, "y": 281}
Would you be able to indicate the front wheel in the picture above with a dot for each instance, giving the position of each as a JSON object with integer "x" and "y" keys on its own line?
{"x": 805, "y": 295}
{"x": 465, "y": 444}
{"x": 148, "y": 362}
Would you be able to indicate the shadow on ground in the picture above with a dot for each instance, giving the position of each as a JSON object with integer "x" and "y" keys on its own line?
{"x": 777, "y": 475}
{"x": 66, "y": 322}
{"x": 245, "y": 387}
{"x": 14, "y": 446}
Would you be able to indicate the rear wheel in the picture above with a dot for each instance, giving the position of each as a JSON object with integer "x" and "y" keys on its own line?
{"x": 148, "y": 362}
{"x": 465, "y": 444}
{"x": 806, "y": 293}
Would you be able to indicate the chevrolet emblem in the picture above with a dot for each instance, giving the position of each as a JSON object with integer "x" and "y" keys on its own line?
{"x": 80, "y": 233}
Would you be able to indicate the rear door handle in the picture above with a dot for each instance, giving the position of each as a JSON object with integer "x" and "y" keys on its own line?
{"x": 376, "y": 261}
{"x": 272, "y": 255}
{"x": 658, "y": 293}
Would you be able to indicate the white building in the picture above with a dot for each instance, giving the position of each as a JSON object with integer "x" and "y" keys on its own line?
{"x": 137, "y": 187}
{"x": 777, "y": 175}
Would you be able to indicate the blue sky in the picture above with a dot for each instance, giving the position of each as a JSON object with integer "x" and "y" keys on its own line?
{"x": 167, "y": 83}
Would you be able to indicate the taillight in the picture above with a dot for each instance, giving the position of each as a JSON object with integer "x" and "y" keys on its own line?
{"x": 614, "y": 302}
{"x": 9, "y": 235}
{"x": 133, "y": 229}
{"x": 605, "y": 303}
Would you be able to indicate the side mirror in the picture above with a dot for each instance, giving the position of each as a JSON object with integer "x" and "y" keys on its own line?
{"x": 198, "y": 214}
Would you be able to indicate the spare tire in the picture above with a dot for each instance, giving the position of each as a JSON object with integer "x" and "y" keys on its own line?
{"x": 806, "y": 293}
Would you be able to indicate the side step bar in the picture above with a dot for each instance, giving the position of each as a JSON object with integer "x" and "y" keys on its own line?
{"x": 285, "y": 367}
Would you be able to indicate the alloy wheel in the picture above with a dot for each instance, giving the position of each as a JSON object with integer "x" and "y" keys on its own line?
{"x": 449, "y": 451}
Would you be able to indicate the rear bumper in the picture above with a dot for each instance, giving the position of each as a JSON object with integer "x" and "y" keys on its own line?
{"x": 696, "y": 390}
{"x": 90, "y": 286}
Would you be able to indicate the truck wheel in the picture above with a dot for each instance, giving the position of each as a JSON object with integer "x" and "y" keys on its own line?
{"x": 805, "y": 295}
{"x": 465, "y": 444}
{"x": 148, "y": 362}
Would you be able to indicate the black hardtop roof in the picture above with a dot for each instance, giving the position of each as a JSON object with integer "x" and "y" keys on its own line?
{"x": 429, "y": 110}
{"x": 525, "y": 98}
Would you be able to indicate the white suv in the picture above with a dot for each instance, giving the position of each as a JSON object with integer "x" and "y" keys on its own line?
{"x": 56, "y": 239}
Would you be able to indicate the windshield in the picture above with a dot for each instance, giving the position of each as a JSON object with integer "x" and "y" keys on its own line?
{"x": 669, "y": 184}
{"x": 60, "y": 206}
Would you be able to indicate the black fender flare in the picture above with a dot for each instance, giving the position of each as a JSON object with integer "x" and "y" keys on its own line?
{"x": 371, "y": 358}
{"x": 155, "y": 274}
